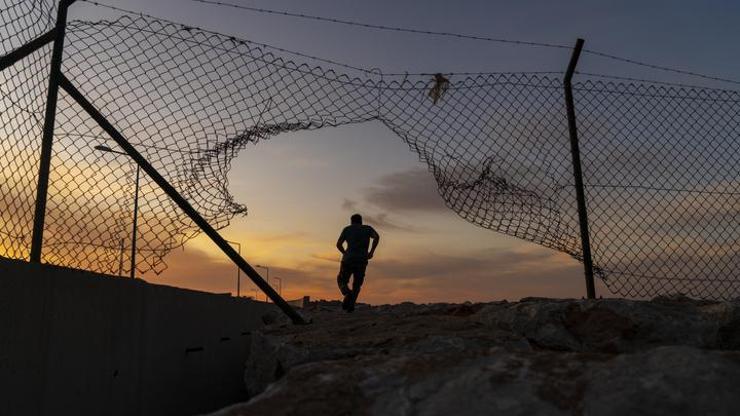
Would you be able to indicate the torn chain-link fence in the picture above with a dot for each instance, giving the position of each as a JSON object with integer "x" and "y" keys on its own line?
{"x": 659, "y": 162}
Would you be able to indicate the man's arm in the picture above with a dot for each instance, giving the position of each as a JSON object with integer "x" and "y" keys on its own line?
{"x": 340, "y": 243}
{"x": 376, "y": 240}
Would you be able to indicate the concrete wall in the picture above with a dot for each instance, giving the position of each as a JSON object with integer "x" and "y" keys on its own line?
{"x": 74, "y": 342}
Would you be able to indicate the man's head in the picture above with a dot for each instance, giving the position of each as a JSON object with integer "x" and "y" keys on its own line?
{"x": 356, "y": 219}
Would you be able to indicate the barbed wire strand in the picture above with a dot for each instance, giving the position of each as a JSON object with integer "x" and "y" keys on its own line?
{"x": 463, "y": 36}
{"x": 373, "y": 71}
{"x": 651, "y": 81}
{"x": 660, "y": 67}
{"x": 383, "y": 27}
{"x": 302, "y": 54}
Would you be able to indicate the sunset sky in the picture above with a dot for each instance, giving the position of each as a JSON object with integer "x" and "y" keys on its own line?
{"x": 301, "y": 188}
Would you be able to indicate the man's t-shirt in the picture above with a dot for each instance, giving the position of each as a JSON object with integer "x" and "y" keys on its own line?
{"x": 358, "y": 238}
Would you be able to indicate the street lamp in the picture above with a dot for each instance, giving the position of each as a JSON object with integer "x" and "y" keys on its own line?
{"x": 238, "y": 269}
{"x": 280, "y": 285}
{"x": 120, "y": 260}
{"x": 268, "y": 276}
{"x": 104, "y": 148}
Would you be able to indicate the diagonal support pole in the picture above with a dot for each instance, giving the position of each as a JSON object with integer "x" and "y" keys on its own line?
{"x": 588, "y": 264}
{"x": 10, "y": 59}
{"x": 67, "y": 86}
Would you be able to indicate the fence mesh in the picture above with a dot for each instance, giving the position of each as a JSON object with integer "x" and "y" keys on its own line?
{"x": 22, "y": 99}
{"x": 661, "y": 170}
{"x": 658, "y": 160}
{"x": 24, "y": 20}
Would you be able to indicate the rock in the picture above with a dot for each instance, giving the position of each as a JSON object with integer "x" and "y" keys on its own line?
{"x": 269, "y": 358}
{"x": 726, "y": 315}
{"x": 666, "y": 381}
{"x": 275, "y": 317}
{"x": 661, "y": 381}
{"x": 540, "y": 321}
{"x": 617, "y": 325}
{"x": 672, "y": 355}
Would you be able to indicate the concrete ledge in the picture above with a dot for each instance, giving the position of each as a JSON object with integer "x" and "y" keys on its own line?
{"x": 76, "y": 342}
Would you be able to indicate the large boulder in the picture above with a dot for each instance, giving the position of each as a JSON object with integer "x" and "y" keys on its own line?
{"x": 665, "y": 381}
{"x": 618, "y": 325}
{"x": 660, "y": 381}
{"x": 538, "y": 356}
{"x": 268, "y": 360}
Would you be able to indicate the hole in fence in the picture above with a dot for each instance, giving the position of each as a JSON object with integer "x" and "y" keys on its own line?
{"x": 300, "y": 189}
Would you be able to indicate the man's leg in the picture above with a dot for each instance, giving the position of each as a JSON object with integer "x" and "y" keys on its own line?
{"x": 359, "y": 278}
{"x": 343, "y": 279}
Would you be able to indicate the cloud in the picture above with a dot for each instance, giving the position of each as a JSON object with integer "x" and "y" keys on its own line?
{"x": 282, "y": 237}
{"x": 381, "y": 220}
{"x": 349, "y": 205}
{"x": 431, "y": 265}
{"x": 411, "y": 190}
{"x": 331, "y": 256}
{"x": 422, "y": 276}
{"x": 196, "y": 269}
{"x": 484, "y": 275}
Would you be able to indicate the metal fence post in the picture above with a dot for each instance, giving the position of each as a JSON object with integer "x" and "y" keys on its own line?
{"x": 577, "y": 172}
{"x": 11, "y": 58}
{"x": 48, "y": 134}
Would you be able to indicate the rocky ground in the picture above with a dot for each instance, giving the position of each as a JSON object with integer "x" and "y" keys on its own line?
{"x": 670, "y": 356}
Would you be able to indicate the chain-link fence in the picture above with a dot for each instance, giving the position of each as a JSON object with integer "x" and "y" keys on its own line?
{"x": 22, "y": 101}
{"x": 657, "y": 159}
{"x": 661, "y": 169}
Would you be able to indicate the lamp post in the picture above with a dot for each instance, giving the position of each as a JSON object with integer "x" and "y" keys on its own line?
{"x": 268, "y": 276}
{"x": 120, "y": 260}
{"x": 104, "y": 148}
{"x": 280, "y": 285}
{"x": 238, "y": 270}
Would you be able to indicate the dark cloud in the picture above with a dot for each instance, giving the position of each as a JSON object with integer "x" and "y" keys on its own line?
{"x": 411, "y": 190}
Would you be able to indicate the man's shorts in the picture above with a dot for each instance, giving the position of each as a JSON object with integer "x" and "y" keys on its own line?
{"x": 352, "y": 268}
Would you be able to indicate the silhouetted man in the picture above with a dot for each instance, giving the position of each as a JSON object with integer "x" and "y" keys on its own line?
{"x": 354, "y": 258}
